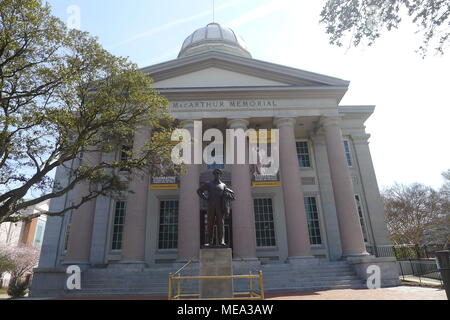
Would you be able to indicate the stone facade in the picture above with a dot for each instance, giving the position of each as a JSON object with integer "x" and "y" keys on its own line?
{"x": 227, "y": 90}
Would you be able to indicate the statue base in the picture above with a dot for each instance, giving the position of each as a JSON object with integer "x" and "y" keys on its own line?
{"x": 216, "y": 262}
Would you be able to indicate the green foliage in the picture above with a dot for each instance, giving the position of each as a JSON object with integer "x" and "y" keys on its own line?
{"x": 367, "y": 19}
{"x": 63, "y": 95}
{"x": 6, "y": 264}
{"x": 17, "y": 288}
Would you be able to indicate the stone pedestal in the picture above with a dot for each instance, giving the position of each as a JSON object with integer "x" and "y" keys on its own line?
{"x": 216, "y": 262}
{"x": 388, "y": 269}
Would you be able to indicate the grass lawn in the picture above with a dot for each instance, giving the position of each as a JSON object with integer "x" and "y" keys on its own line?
{"x": 3, "y": 291}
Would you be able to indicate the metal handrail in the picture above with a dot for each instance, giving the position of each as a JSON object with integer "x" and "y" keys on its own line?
{"x": 181, "y": 269}
{"x": 252, "y": 295}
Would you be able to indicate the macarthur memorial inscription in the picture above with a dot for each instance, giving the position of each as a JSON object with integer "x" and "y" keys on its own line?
{"x": 223, "y": 104}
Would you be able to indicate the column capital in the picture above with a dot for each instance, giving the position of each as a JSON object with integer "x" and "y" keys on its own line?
{"x": 317, "y": 139}
{"x": 283, "y": 122}
{"x": 329, "y": 121}
{"x": 188, "y": 124}
{"x": 238, "y": 123}
{"x": 360, "y": 138}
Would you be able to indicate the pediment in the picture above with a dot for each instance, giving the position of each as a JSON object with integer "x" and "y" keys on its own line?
{"x": 216, "y": 77}
{"x": 218, "y": 69}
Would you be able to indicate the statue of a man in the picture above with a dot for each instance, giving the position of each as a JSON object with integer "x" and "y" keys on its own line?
{"x": 219, "y": 198}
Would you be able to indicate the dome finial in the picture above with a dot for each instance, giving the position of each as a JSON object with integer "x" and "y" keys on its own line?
{"x": 214, "y": 37}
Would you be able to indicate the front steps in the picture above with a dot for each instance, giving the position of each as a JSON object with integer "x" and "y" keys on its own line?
{"x": 110, "y": 282}
{"x": 326, "y": 275}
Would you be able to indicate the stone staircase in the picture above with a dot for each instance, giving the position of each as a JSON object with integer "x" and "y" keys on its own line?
{"x": 326, "y": 275}
{"x": 111, "y": 282}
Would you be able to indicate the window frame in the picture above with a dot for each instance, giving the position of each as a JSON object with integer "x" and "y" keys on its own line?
{"x": 275, "y": 238}
{"x": 349, "y": 154}
{"x": 39, "y": 223}
{"x": 166, "y": 250}
{"x": 362, "y": 217}
{"x": 121, "y": 156}
{"x": 319, "y": 222}
{"x": 310, "y": 153}
{"x": 113, "y": 218}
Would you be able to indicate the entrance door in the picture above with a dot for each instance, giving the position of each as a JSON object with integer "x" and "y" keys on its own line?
{"x": 203, "y": 227}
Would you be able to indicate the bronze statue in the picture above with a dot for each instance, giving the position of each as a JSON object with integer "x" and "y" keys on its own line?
{"x": 219, "y": 198}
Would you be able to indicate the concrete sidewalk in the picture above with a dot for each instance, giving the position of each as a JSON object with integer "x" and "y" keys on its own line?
{"x": 394, "y": 293}
{"x": 413, "y": 280}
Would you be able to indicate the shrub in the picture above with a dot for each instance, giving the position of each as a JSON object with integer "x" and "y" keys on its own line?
{"x": 17, "y": 288}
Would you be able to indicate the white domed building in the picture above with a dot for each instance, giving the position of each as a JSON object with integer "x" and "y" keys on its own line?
{"x": 321, "y": 215}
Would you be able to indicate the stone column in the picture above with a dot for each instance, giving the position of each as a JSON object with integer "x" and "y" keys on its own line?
{"x": 133, "y": 241}
{"x": 244, "y": 235}
{"x": 349, "y": 225}
{"x": 327, "y": 198}
{"x": 189, "y": 208}
{"x": 294, "y": 205}
{"x": 375, "y": 214}
{"x": 80, "y": 235}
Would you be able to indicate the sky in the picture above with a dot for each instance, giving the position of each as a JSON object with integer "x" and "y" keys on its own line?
{"x": 411, "y": 125}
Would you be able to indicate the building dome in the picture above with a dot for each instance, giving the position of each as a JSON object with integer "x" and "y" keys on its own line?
{"x": 214, "y": 37}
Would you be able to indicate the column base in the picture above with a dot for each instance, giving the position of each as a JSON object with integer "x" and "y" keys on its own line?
{"x": 357, "y": 255}
{"x": 388, "y": 266}
{"x": 82, "y": 264}
{"x": 303, "y": 260}
{"x": 130, "y": 265}
{"x": 245, "y": 265}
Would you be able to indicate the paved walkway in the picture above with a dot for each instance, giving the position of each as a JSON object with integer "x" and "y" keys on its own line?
{"x": 421, "y": 281}
{"x": 395, "y": 293}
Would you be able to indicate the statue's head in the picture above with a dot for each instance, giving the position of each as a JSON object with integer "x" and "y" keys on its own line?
{"x": 217, "y": 173}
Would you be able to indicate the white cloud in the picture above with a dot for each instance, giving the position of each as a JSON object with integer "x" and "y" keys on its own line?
{"x": 258, "y": 12}
{"x": 156, "y": 30}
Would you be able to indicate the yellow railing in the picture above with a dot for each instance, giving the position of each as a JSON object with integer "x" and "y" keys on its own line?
{"x": 248, "y": 295}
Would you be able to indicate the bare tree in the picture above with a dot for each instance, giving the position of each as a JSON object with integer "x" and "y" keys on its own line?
{"x": 416, "y": 214}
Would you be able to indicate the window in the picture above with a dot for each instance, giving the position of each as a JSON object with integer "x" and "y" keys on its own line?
{"x": 81, "y": 158}
{"x": 66, "y": 237}
{"x": 313, "y": 220}
{"x": 168, "y": 224}
{"x": 119, "y": 220}
{"x": 265, "y": 230}
{"x": 348, "y": 154}
{"x": 303, "y": 154}
{"x": 125, "y": 155}
{"x": 361, "y": 216}
{"x": 39, "y": 235}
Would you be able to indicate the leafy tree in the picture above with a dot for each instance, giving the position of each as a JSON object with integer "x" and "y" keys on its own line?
{"x": 62, "y": 97}
{"x": 17, "y": 288}
{"x": 446, "y": 186}
{"x": 416, "y": 214}
{"x": 6, "y": 262}
{"x": 22, "y": 259}
{"x": 367, "y": 19}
